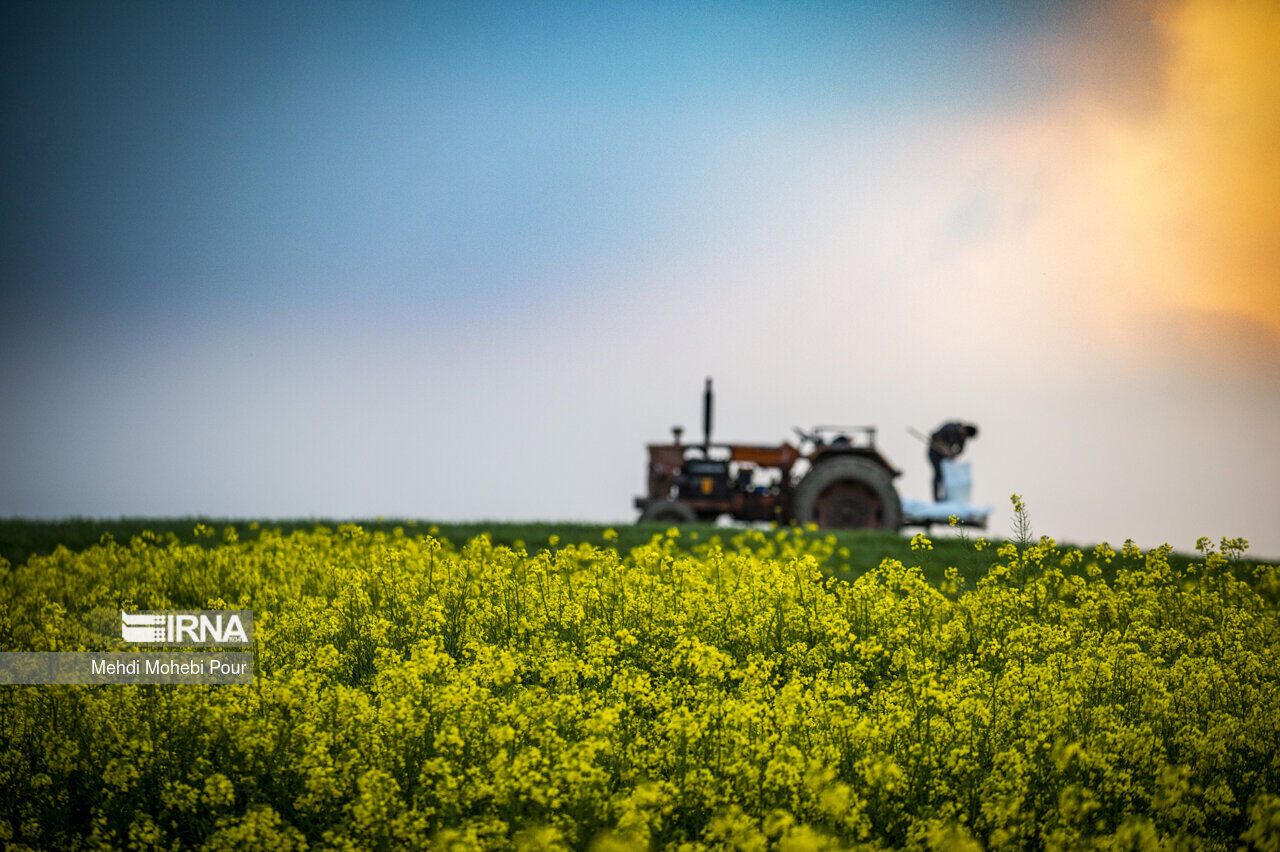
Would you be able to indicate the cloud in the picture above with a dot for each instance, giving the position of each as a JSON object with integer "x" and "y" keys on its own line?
{"x": 1144, "y": 186}
{"x": 1194, "y": 183}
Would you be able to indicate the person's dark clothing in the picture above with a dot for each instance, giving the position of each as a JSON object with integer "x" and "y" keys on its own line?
{"x": 947, "y": 443}
{"x": 935, "y": 459}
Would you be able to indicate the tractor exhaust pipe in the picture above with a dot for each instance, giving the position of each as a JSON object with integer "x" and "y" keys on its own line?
{"x": 706, "y": 417}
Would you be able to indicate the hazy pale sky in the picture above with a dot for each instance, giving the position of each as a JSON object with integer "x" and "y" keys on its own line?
{"x": 464, "y": 261}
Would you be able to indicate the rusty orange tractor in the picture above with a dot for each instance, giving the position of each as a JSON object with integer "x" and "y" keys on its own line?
{"x": 834, "y": 476}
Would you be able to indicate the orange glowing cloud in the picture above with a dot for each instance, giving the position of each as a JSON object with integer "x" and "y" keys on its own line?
{"x": 1200, "y": 175}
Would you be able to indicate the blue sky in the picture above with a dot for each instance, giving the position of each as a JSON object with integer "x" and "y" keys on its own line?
{"x": 223, "y": 151}
{"x": 463, "y": 261}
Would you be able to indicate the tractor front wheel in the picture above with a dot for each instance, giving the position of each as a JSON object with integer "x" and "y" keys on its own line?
{"x": 848, "y": 493}
{"x": 667, "y": 512}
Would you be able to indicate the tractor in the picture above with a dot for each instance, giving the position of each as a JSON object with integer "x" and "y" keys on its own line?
{"x": 833, "y": 476}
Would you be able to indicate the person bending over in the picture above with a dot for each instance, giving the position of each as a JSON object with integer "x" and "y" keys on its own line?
{"x": 947, "y": 442}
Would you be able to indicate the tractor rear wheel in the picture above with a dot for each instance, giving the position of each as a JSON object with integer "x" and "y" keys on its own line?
{"x": 667, "y": 512}
{"x": 848, "y": 493}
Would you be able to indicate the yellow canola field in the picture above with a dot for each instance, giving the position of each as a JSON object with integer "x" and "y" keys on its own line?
{"x": 712, "y": 695}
